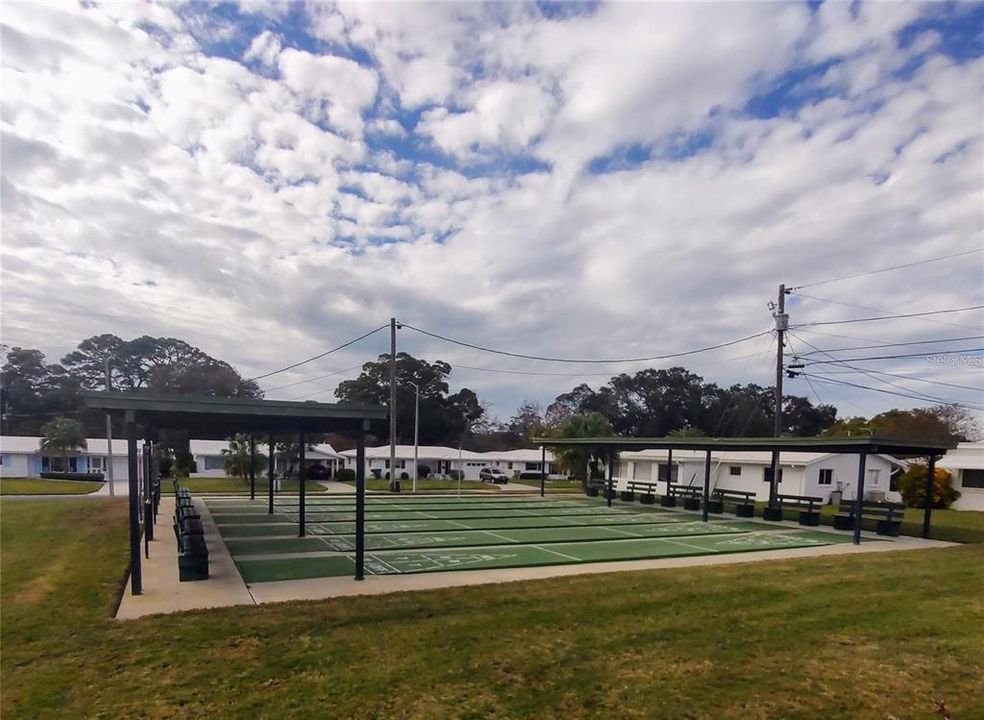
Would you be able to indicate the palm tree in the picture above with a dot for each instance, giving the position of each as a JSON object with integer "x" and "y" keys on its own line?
{"x": 237, "y": 457}
{"x": 62, "y": 436}
{"x": 578, "y": 459}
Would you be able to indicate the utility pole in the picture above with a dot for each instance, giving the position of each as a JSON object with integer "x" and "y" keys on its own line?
{"x": 782, "y": 324}
{"x": 416, "y": 432}
{"x": 109, "y": 438}
{"x": 393, "y": 483}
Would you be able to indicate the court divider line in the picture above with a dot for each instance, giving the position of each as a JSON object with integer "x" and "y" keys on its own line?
{"x": 559, "y": 554}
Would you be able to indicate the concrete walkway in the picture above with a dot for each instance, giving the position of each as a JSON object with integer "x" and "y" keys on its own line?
{"x": 333, "y": 486}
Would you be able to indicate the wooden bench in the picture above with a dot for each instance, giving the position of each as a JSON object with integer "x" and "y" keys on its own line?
{"x": 688, "y": 493}
{"x": 887, "y": 516}
{"x": 808, "y": 507}
{"x": 190, "y": 536}
{"x": 646, "y": 490}
{"x": 744, "y": 502}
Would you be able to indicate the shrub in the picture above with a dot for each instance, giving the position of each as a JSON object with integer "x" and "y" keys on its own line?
{"x": 423, "y": 471}
{"x": 912, "y": 485}
{"x": 94, "y": 477}
{"x": 386, "y": 476}
{"x": 345, "y": 475}
{"x": 530, "y": 475}
{"x": 454, "y": 474}
{"x": 404, "y": 476}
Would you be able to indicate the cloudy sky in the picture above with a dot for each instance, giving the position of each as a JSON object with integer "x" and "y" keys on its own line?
{"x": 269, "y": 181}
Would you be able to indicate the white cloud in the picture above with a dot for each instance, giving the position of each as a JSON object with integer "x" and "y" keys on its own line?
{"x": 290, "y": 202}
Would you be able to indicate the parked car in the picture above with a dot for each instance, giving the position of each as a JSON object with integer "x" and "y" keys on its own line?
{"x": 493, "y": 475}
{"x": 318, "y": 472}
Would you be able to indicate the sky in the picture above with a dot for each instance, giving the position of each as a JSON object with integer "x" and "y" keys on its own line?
{"x": 570, "y": 180}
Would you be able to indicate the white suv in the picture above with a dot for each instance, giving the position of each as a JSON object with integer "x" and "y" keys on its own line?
{"x": 493, "y": 475}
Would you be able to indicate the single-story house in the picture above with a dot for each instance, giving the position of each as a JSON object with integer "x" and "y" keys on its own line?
{"x": 443, "y": 460}
{"x": 800, "y": 473}
{"x": 966, "y": 463}
{"x": 210, "y": 460}
{"x": 20, "y": 456}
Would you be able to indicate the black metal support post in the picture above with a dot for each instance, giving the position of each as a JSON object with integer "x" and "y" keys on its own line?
{"x": 543, "y": 469}
{"x": 360, "y": 504}
{"x": 928, "y": 511}
{"x": 300, "y": 481}
{"x": 611, "y": 472}
{"x": 133, "y": 488}
{"x": 707, "y": 485}
{"x": 669, "y": 469}
{"x": 155, "y": 466}
{"x": 252, "y": 466}
{"x": 859, "y": 498}
{"x": 148, "y": 501}
{"x": 270, "y": 474}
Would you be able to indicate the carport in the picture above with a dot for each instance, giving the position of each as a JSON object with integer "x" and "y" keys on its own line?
{"x": 145, "y": 416}
{"x": 860, "y": 446}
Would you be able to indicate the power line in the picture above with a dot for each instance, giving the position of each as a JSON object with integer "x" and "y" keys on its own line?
{"x": 888, "y": 344}
{"x": 893, "y": 357}
{"x": 892, "y": 267}
{"x": 891, "y": 392}
{"x": 316, "y": 377}
{"x": 615, "y": 361}
{"x": 906, "y": 377}
{"x": 890, "y": 317}
{"x": 880, "y": 310}
{"x": 320, "y": 355}
{"x": 865, "y": 371}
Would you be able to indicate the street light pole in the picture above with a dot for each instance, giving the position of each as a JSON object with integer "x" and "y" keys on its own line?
{"x": 416, "y": 431}
{"x": 109, "y": 441}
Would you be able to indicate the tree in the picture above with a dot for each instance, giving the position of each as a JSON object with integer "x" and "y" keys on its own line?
{"x": 580, "y": 460}
{"x": 33, "y": 391}
{"x": 912, "y": 486}
{"x": 237, "y": 458}
{"x": 445, "y": 418}
{"x": 527, "y": 423}
{"x": 849, "y": 427}
{"x": 803, "y": 419}
{"x": 62, "y": 436}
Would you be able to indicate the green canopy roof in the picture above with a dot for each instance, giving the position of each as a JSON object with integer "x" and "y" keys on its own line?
{"x": 218, "y": 418}
{"x": 847, "y": 445}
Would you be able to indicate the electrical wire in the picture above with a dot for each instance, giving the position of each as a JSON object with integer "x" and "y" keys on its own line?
{"x": 906, "y": 377}
{"x": 898, "y": 344}
{"x": 889, "y": 317}
{"x": 316, "y": 377}
{"x": 891, "y": 392}
{"x": 893, "y": 357}
{"x": 598, "y": 361}
{"x": 892, "y": 267}
{"x": 320, "y": 355}
{"x": 934, "y": 321}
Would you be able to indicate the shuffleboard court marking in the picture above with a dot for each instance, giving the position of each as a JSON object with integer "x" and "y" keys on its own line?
{"x": 501, "y": 537}
{"x": 622, "y": 531}
{"x": 554, "y": 552}
{"x": 699, "y": 548}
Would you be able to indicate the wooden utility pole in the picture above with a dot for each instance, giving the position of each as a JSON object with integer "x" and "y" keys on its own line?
{"x": 109, "y": 439}
{"x": 782, "y": 324}
{"x": 392, "y": 406}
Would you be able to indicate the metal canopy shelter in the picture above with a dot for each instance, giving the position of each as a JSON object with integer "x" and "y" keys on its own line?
{"x": 861, "y": 446}
{"x": 210, "y": 418}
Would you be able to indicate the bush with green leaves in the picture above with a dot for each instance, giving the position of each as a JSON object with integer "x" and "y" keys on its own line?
{"x": 345, "y": 475}
{"x": 912, "y": 485}
{"x": 423, "y": 471}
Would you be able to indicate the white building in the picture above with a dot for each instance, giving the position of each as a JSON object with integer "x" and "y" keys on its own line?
{"x": 20, "y": 456}
{"x": 443, "y": 460}
{"x": 966, "y": 463}
{"x": 800, "y": 473}
{"x": 210, "y": 460}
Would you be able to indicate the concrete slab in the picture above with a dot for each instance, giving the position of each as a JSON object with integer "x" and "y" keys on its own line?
{"x": 322, "y": 588}
{"x": 164, "y": 593}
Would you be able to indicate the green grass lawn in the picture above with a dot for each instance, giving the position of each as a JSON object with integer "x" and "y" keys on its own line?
{"x": 37, "y": 486}
{"x": 874, "y": 636}
{"x": 238, "y": 485}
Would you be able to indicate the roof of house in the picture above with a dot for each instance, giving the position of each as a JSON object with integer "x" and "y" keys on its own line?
{"x": 29, "y": 445}
{"x": 844, "y": 445}
{"x": 966, "y": 456}
{"x": 424, "y": 452}
{"x": 321, "y": 451}
{"x": 738, "y": 458}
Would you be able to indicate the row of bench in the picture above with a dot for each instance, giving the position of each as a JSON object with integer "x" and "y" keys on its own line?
{"x": 188, "y": 530}
{"x": 887, "y": 516}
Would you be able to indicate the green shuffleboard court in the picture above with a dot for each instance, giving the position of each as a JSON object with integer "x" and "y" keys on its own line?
{"x": 441, "y": 533}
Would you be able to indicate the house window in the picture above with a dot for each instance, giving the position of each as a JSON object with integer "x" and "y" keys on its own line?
{"x": 767, "y": 475}
{"x": 873, "y": 477}
{"x": 532, "y": 466}
{"x": 57, "y": 464}
{"x": 826, "y": 476}
{"x": 735, "y": 470}
{"x": 973, "y": 478}
{"x": 213, "y": 462}
{"x": 510, "y": 466}
{"x": 97, "y": 463}
{"x": 674, "y": 475}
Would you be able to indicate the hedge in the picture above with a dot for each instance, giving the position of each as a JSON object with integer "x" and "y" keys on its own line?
{"x": 345, "y": 475}
{"x": 92, "y": 477}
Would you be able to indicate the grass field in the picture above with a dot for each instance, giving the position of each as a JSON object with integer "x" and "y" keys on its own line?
{"x": 873, "y": 636}
{"x": 37, "y": 486}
